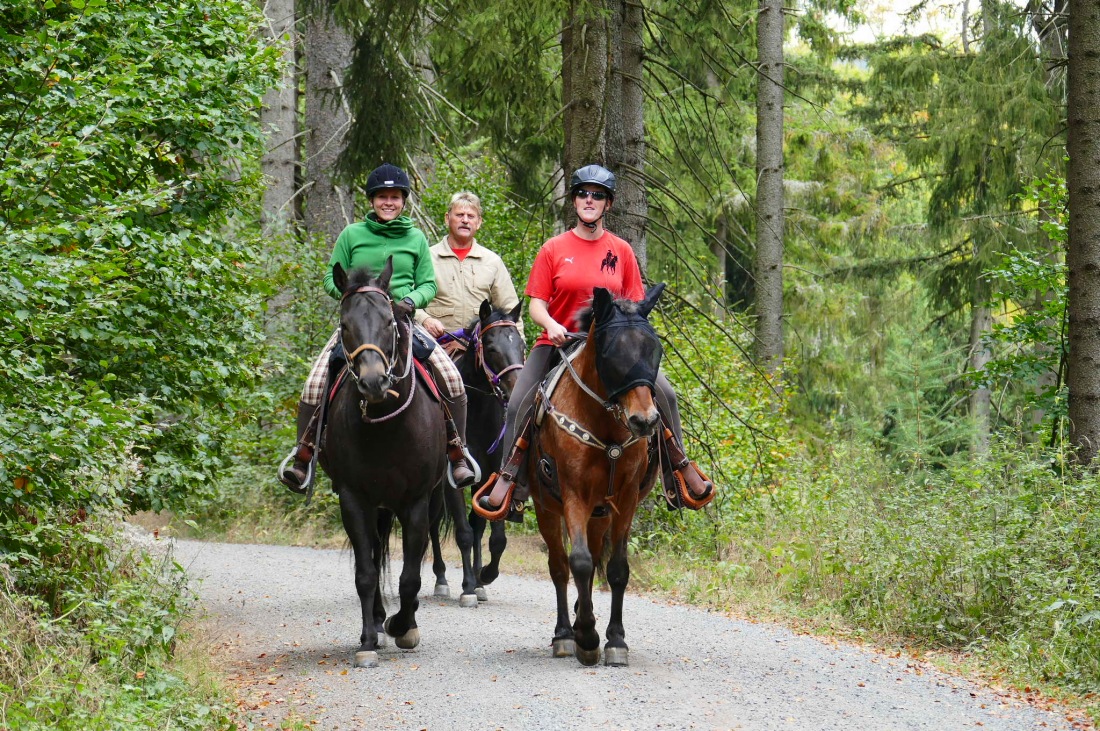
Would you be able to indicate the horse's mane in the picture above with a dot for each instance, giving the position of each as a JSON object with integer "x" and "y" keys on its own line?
{"x": 584, "y": 317}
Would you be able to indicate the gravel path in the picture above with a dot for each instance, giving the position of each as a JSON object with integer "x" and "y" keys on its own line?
{"x": 287, "y": 622}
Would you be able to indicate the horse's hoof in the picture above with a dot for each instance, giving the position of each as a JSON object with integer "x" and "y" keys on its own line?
{"x": 409, "y": 640}
{"x": 481, "y": 594}
{"x": 442, "y": 590}
{"x": 366, "y": 659}
{"x": 489, "y": 575}
{"x": 615, "y": 657}
{"x": 588, "y": 658}
{"x": 381, "y": 641}
{"x": 564, "y": 648}
{"x": 467, "y": 601}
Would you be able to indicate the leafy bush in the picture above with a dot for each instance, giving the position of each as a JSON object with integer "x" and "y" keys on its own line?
{"x": 998, "y": 556}
{"x": 129, "y": 332}
{"x": 128, "y": 311}
{"x": 104, "y": 660}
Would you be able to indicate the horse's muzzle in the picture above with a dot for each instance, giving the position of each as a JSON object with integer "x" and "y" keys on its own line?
{"x": 374, "y": 389}
{"x": 644, "y": 425}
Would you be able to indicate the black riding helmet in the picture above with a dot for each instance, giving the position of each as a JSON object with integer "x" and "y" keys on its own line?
{"x": 388, "y": 176}
{"x": 593, "y": 175}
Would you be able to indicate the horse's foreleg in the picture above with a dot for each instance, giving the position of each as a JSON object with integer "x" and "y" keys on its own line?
{"x": 557, "y": 561}
{"x": 359, "y": 523}
{"x": 439, "y": 566}
{"x": 464, "y": 538}
{"x": 477, "y": 525}
{"x": 583, "y": 566}
{"x": 618, "y": 574}
{"x": 414, "y": 542}
{"x": 498, "y": 541}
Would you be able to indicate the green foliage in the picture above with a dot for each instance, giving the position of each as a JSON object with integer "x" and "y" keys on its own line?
{"x": 997, "y": 558}
{"x": 979, "y": 147}
{"x": 104, "y": 661}
{"x": 129, "y": 301}
{"x": 734, "y": 426}
{"x": 1031, "y": 345}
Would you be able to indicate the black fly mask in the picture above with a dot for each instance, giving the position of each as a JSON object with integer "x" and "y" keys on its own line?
{"x": 628, "y": 350}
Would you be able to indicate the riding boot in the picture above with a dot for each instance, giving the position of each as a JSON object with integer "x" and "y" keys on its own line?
{"x": 461, "y": 472}
{"x": 684, "y": 482}
{"x": 506, "y": 489}
{"x": 296, "y": 475}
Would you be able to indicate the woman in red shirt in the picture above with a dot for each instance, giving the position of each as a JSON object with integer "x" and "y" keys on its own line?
{"x": 566, "y": 270}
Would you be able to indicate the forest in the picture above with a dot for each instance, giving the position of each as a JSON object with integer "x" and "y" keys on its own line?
{"x": 878, "y": 223}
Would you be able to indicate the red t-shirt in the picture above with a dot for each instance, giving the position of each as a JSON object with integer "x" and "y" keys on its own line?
{"x": 567, "y": 268}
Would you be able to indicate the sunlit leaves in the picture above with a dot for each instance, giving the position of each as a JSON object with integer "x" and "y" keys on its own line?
{"x": 127, "y": 306}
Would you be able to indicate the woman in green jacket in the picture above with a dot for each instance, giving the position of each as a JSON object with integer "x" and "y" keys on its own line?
{"x": 383, "y": 234}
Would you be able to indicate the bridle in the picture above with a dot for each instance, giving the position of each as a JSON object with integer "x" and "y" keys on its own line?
{"x": 390, "y": 377}
{"x": 618, "y": 413}
{"x": 493, "y": 377}
{"x": 575, "y": 429}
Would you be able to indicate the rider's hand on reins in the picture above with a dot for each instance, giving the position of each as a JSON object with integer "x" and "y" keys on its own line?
{"x": 557, "y": 334}
{"x": 434, "y": 327}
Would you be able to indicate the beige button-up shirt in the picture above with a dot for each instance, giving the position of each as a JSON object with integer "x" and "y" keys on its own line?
{"x": 464, "y": 285}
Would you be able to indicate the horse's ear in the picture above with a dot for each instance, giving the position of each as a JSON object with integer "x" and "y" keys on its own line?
{"x": 650, "y": 299}
{"x": 516, "y": 312}
{"x": 485, "y": 311}
{"x": 387, "y": 272}
{"x": 602, "y": 303}
{"x": 339, "y": 277}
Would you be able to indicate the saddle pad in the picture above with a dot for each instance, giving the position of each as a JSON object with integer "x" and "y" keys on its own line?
{"x": 427, "y": 380}
{"x": 550, "y": 383}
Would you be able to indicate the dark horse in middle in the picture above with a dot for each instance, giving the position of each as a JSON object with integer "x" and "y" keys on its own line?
{"x": 385, "y": 450}
{"x": 489, "y": 364}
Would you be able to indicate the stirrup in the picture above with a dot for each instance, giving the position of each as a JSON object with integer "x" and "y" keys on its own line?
{"x": 677, "y": 493}
{"x": 303, "y": 488}
{"x": 481, "y": 505}
{"x": 471, "y": 462}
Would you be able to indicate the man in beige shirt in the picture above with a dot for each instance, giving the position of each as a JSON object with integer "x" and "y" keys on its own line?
{"x": 466, "y": 273}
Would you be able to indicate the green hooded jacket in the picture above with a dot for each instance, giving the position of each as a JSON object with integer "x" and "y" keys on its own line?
{"x": 369, "y": 243}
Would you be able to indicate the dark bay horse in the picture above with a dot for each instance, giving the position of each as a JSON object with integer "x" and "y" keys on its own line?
{"x": 594, "y": 460}
{"x": 385, "y": 452}
{"x": 490, "y": 363}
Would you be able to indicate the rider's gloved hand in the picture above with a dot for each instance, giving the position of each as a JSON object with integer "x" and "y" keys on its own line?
{"x": 404, "y": 308}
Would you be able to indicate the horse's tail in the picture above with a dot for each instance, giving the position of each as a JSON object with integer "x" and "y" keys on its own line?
{"x": 385, "y": 528}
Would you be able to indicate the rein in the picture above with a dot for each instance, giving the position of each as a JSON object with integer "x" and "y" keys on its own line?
{"x": 349, "y": 360}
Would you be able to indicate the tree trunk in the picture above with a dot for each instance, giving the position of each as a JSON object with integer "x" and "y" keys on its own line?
{"x": 585, "y": 73}
{"x": 280, "y": 118}
{"x": 328, "y": 206}
{"x": 604, "y": 103}
{"x": 981, "y": 321}
{"x": 768, "y": 267}
{"x": 631, "y": 212}
{"x": 1083, "y": 260}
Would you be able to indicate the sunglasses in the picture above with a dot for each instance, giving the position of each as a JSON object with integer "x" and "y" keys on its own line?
{"x": 596, "y": 195}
